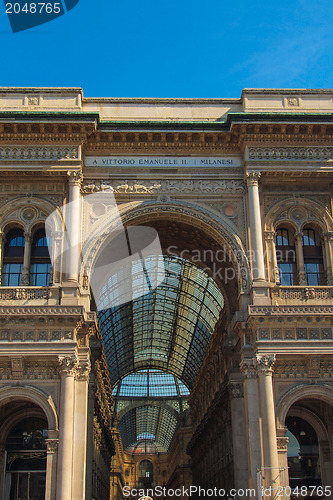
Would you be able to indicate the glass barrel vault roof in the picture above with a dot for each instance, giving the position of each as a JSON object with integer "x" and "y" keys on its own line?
{"x": 169, "y": 328}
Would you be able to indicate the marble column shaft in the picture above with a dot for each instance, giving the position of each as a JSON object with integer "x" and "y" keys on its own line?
{"x": 258, "y": 267}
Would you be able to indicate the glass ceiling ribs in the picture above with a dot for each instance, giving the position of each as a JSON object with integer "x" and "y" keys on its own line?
{"x": 149, "y": 384}
{"x": 147, "y": 403}
{"x": 169, "y": 328}
{"x": 152, "y": 423}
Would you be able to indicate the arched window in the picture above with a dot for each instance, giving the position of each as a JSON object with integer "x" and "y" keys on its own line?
{"x": 26, "y": 460}
{"x": 286, "y": 256}
{"x": 313, "y": 257}
{"x": 40, "y": 264}
{"x": 13, "y": 258}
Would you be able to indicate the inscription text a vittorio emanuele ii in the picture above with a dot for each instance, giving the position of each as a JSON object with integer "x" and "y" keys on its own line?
{"x": 163, "y": 161}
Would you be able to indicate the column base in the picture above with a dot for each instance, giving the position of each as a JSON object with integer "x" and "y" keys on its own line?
{"x": 260, "y": 293}
{"x": 70, "y": 293}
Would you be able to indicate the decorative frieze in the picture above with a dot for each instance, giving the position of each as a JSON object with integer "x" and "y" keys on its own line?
{"x": 314, "y": 153}
{"x": 167, "y": 186}
{"x": 308, "y": 367}
{"x": 36, "y": 335}
{"x": 293, "y": 333}
{"x": 17, "y": 368}
{"x": 31, "y": 153}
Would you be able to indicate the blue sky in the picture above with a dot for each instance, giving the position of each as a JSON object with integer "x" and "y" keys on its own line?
{"x": 174, "y": 49}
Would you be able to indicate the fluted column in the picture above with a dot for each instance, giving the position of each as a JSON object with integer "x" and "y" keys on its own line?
{"x": 258, "y": 268}
{"x": 73, "y": 226}
{"x": 264, "y": 367}
{"x": 300, "y": 259}
{"x": 68, "y": 367}
{"x": 25, "y": 279}
{"x": 328, "y": 247}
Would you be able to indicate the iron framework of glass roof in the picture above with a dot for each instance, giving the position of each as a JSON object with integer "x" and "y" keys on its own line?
{"x": 169, "y": 328}
{"x": 154, "y": 348}
{"x": 149, "y": 403}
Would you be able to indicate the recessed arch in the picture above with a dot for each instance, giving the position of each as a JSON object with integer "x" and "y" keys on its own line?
{"x": 12, "y": 213}
{"x": 298, "y": 211}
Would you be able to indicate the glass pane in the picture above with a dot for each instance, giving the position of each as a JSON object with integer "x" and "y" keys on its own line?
{"x": 286, "y": 274}
{"x": 40, "y": 274}
{"x": 309, "y": 237}
{"x": 312, "y": 273}
{"x": 282, "y": 238}
{"x": 15, "y": 238}
{"x": 11, "y": 274}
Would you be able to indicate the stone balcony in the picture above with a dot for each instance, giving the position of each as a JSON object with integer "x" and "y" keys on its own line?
{"x": 302, "y": 295}
{"x": 30, "y": 296}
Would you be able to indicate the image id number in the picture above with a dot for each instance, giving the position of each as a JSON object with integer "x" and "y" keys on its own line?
{"x": 33, "y": 8}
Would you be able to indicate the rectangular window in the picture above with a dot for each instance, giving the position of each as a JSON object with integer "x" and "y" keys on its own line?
{"x": 40, "y": 274}
{"x": 314, "y": 273}
{"x": 286, "y": 274}
{"x": 11, "y": 274}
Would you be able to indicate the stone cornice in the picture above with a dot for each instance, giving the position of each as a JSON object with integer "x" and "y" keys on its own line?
{"x": 41, "y": 310}
{"x": 302, "y": 310}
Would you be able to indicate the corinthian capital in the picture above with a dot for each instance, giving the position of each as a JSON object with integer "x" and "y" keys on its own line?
{"x": 264, "y": 364}
{"x": 248, "y": 368}
{"x": 68, "y": 365}
{"x": 252, "y": 178}
{"x": 74, "y": 177}
{"x": 83, "y": 372}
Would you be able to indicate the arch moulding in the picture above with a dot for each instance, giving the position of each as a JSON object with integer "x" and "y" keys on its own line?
{"x": 9, "y": 394}
{"x": 295, "y": 394}
{"x": 140, "y": 213}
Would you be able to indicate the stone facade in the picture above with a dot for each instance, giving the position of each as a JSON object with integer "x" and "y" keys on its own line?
{"x": 215, "y": 177}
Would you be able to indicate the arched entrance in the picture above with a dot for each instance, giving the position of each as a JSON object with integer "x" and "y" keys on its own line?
{"x": 168, "y": 331}
{"x": 25, "y": 450}
{"x": 307, "y": 412}
{"x": 28, "y": 444}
